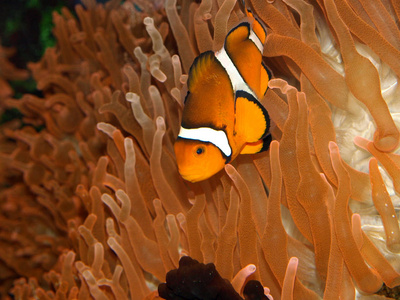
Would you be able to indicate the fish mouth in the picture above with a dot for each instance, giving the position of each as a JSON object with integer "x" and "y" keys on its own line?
{"x": 192, "y": 177}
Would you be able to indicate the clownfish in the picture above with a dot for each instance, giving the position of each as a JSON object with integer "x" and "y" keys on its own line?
{"x": 222, "y": 115}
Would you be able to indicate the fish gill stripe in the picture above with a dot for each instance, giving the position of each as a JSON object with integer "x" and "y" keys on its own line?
{"x": 205, "y": 134}
{"x": 236, "y": 79}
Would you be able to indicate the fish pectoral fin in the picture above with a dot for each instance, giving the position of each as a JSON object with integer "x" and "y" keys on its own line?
{"x": 265, "y": 77}
{"x": 252, "y": 120}
{"x": 259, "y": 146}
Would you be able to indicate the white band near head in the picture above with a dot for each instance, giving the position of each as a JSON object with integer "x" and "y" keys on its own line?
{"x": 206, "y": 134}
{"x": 237, "y": 80}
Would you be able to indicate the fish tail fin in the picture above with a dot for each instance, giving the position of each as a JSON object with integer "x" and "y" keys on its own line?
{"x": 258, "y": 27}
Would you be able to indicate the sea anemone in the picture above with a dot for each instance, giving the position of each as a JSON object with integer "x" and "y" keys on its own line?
{"x": 93, "y": 206}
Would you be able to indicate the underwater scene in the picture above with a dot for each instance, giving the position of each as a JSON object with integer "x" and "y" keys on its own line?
{"x": 200, "y": 149}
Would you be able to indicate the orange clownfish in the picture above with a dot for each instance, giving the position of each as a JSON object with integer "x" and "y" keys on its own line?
{"x": 222, "y": 116}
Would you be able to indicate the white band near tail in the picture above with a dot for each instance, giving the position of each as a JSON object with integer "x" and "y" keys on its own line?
{"x": 256, "y": 40}
{"x": 206, "y": 134}
{"x": 236, "y": 79}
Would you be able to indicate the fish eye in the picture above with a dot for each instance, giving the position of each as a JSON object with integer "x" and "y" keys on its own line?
{"x": 200, "y": 150}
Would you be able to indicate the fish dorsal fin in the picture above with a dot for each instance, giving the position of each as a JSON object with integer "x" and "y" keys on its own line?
{"x": 204, "y": 71}
{"x": 265, "y": 77}
{"x": 252, "y": 120}
{"x": 210, "y": 101}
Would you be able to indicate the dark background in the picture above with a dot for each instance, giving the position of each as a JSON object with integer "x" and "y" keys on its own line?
{"x": 27, "y": 26}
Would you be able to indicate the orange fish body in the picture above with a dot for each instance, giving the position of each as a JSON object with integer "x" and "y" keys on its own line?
{"x": 223, "y": 117}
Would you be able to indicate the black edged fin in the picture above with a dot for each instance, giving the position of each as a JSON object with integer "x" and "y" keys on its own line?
{"x": 266, "y": 142}
{"x": 265, "y": 77}
{"x": 252, "y": 119}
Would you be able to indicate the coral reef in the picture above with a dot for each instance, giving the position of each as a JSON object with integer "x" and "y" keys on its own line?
{"x": 92, "y": 205}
